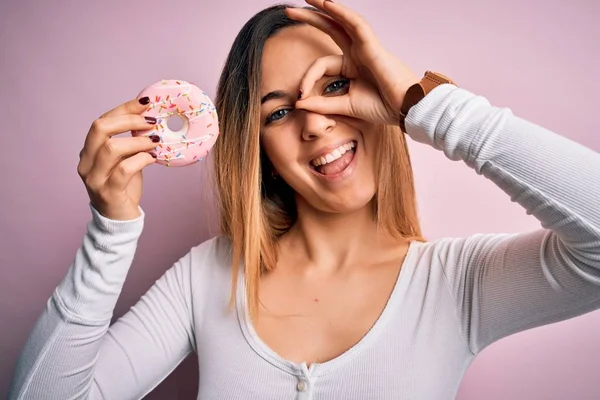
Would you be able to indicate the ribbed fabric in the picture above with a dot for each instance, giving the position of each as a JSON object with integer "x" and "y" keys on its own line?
{"x": 453, "y": 297}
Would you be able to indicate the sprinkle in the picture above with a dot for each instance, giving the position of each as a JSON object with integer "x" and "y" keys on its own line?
{"x": 179, "y": 83}
{"x": 209, "y": 125}
{"x": 168, "y": 97}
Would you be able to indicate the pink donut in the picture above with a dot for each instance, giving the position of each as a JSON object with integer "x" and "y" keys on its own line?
{"x": 191, "y": 143}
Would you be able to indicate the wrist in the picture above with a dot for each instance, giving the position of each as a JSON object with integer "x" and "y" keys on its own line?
{"x": 118, "y": 214}
{"x": 397, "y": 96}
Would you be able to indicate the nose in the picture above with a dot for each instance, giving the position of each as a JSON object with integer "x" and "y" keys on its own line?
{"x": 316, "y": 125}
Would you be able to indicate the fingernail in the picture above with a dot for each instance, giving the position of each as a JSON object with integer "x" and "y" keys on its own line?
{"x": 153, "y": 155}
{"x": 150, "y": 120}
{"x": 300, "y": 95}
{"x": 331, "y": 1}
{"x": 144, "y": 100}
{"x": 154, "y": 138}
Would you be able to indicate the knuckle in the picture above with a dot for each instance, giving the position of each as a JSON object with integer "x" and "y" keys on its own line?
{"x": 322, "y": 62}
{"x": 110, "y": 148}
{"x": 124, "y": 169}
{"x": 98, "y": 125}
{"x": 81, "y": 171}
{"x": 91, "y": 183}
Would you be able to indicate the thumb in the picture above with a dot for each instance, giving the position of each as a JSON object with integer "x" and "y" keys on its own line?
{"x": 338, "y": 105}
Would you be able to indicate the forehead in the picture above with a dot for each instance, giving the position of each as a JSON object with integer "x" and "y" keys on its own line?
{"x": 288, "y": 54}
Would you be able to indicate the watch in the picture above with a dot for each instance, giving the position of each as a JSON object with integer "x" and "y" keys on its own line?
{"x": 418, "y": 91}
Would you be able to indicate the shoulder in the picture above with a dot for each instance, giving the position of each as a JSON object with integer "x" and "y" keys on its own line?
{"x": 453, "y": 249}
{"x": 455, "y": 257}
{"x": 214, "y": 250}
{"x": 209, "y": 262}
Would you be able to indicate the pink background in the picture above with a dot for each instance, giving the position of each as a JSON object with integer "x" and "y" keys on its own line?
{"x": 63, "y": 63}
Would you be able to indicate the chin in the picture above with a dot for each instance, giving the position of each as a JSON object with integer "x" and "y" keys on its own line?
{"x": 347, "y": 201}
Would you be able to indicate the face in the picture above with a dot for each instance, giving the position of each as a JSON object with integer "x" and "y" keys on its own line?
{"x": 328, "y": 160}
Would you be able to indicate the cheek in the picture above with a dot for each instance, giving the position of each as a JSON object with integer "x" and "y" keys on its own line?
{"x": 281, "y": 153}
{"x": 370, "y": 141}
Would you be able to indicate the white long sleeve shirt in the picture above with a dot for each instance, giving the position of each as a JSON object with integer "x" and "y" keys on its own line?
{"x": 453, "y": 296}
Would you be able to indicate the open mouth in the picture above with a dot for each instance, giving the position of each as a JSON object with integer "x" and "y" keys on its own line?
{"x": 336, "y": 162}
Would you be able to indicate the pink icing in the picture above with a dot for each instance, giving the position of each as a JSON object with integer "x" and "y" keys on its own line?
{"x": 172, "y": 98}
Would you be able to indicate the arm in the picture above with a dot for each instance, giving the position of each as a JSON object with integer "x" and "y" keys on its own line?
{"x": 506, "y": 283}
{"x": 73, "y": 353}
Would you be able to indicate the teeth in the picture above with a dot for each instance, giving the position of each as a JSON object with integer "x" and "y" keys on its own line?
{"x": 334, "y": 155}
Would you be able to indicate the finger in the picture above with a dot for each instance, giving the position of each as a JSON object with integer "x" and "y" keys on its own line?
{"x": 323, "y": 23}
{"x": 356, "y": 26}
{"x": 103, "y": 128}
{"x": 134, "y": 106}
{"x": 324, "y": 66}
{"x": 112, "y": 153}
{"x": 126, "y": 169}
{"x": 338, "y": 105}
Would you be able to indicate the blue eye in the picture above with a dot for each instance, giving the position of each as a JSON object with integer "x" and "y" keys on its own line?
{"x": 337, "y": 86}
{"x": 276, "y": 115}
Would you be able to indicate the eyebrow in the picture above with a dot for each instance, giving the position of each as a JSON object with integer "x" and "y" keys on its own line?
{"x": 277, "y": 94}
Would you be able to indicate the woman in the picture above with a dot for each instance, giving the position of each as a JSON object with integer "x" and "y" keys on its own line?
{"x": 337, "y": 294}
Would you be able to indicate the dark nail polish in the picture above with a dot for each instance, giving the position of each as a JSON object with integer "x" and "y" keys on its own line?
{"x": 154, "y": 138}
{"x": 144, "y": 100}
{"x": 153, "y": 155}
{"x": 300, "y": 95}
{"x": 150, "y": 120}
{"x": 331, "y": 1}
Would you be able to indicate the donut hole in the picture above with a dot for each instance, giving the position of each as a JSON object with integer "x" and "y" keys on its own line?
{"x": 175, "y": 123}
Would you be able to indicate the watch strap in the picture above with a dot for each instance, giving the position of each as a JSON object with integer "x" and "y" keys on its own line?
{"x": 418, "y": 91}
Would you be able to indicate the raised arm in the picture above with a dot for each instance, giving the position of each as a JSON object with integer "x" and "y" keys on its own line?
{"x": 72, "y": 352}
{"x": 506, "y": 283}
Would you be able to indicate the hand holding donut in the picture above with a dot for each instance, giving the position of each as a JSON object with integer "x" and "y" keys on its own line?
{"x": 379, "y": 80}
{"x": 111, "y": 168}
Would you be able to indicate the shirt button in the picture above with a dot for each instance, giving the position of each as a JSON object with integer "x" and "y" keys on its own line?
{"x": 301, "y": 386}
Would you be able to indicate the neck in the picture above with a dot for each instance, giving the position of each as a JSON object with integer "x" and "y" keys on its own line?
{"x": 331, "y": 242}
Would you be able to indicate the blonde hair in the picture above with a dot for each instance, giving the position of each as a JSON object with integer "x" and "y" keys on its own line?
{"x": 256, "y": 209}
